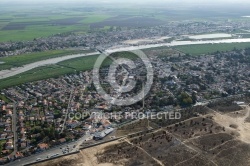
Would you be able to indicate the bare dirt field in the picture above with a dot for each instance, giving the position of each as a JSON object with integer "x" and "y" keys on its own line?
{"x": 216, "y": 138}
{"x": 141, "y": 125}
{"x": 236, "y": 124}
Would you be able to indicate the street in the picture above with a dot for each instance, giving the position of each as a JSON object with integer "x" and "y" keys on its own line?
{"x": 53, "y": 151}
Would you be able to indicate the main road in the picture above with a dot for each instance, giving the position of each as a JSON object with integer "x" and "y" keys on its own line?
{"x": 73, "y": 147}
{"x": 15, "y": 71}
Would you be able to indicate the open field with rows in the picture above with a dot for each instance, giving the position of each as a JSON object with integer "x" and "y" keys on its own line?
{"x": 210, "y": 48}
{"x": 20, "y": 60}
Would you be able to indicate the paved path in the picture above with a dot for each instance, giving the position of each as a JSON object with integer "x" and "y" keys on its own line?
{"x": 14, "y": 128}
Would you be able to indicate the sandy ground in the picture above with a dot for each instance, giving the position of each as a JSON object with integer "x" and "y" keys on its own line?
{"x": 89, "y": 155}
{"x": 243, "y": 127}
{"x": 210, "y": 36}
{"x": 86, "y": 157}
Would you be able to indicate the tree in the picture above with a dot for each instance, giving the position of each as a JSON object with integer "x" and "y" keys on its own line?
{"x": 185, "y": 99}
{"x": 194, "y": 97}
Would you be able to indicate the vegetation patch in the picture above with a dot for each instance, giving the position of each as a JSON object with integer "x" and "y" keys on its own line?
{"x": 199, "y": 49}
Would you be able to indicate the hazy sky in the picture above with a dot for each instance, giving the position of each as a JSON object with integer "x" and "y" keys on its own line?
{"x": 134, "y": 1}
{"x": 237, "y": 4}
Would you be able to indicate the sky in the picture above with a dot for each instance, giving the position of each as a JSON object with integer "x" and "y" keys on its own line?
{"x": 134, "y": 1}
{"x": 237, "y": 4}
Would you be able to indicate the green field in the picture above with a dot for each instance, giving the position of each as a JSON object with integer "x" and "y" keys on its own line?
{"x": 87, "y": 63}
{"x": 26, "y": 22}
{"x": 20, "y": 60}
{"x": 66, "y": 67}
{"x": 2, "y": 97}
{"x": 210, "y": 48}
{"x": 20, "y": 23}
{"x": 2, "y": 142}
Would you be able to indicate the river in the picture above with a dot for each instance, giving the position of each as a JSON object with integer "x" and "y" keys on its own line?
{"x": 15, "y": 71}
{"x": 175, "y": 43}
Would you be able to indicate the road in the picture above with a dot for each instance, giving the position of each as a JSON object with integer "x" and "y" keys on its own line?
{"x": 14, "y": 129}
{"x": 15, "y": 71}
{"x": 69, "y": 104}
{"x": 56, "y": 150}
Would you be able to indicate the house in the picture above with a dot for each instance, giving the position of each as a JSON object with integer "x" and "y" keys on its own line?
{"x": 43, "y": 146}
{"x": 22, "y": 131}
{"x": 21, "y": 119}
{"x": 7, "y": 129}
{"x": 73, "y": 124}
{"x": 23, "y": 138}
{"x": 9, "y": 144}
{"x": 9, "y": 112}
{"x": 21, "y": 113}
{"x": 3, "y": 136}
{"x": 105, "y": 123}
{"x": 3, "y": 160}
{"x": 5, "y": 152}
{"x": 35, "y": 135}
{"x": 102, "y": 134}
{"x": 86, "y": 127}
{"x": 4, "y": 108}
{"x": 10, "y": 135}
{"x": 23, "y": 145}
{"x": 18, "y": 155}
{"x": 62, "y": 140}
{"x": 99, "y": 135}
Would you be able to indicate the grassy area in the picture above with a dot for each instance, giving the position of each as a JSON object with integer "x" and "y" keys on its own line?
{"x": 21, "y": 22}
{"x": 210, "y": 48}
{"x": 94, "y": 18}
{"x": 34, "y": 75}
{"x": 66, "y": 67}
{"x": 246, "y": 35}
{"x": 17, "y": 24}
{"x": 20, "y": 60}
{"x": 2, "y": 97}
{"x": 2, "y": 142}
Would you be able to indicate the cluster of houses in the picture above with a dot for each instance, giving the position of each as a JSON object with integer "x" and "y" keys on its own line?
{"x": 50, "y": 102}
{"x": 117, "y": 36}
{"x": 7, "y": 144}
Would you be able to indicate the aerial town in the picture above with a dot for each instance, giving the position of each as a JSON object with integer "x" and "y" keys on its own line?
{"x": 124, "y": 83}
{"x": 35, "y": 115}
{"x": 117, "y": 35}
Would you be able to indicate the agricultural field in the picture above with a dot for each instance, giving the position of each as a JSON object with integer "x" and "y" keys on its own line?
{"x": 19, "y": 24}
{"x": 128, "y": 22}
{"x": 62, "y": 68}
{"x": 39, "y": 21}
{"x": 210, "y": 48}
